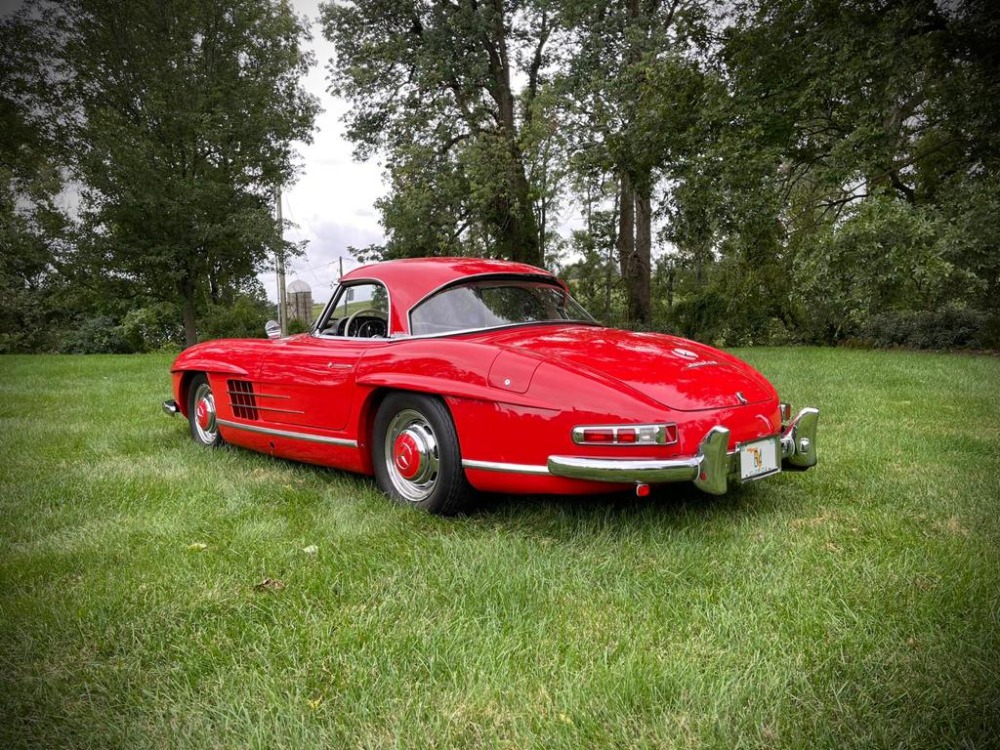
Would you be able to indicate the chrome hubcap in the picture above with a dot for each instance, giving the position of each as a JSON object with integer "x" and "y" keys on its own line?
{"x": 411, "y": 455}
{"x": 204, "y": 414}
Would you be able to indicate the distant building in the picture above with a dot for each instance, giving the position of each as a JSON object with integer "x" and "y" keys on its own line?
{"x": 300, "y": 301}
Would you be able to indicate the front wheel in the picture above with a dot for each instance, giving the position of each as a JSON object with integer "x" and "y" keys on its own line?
{"x": 416, "y": 454}
{"x": 201, "y": 412}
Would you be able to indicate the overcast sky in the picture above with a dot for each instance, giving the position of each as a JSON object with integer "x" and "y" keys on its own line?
{"x": 332, "y": 204}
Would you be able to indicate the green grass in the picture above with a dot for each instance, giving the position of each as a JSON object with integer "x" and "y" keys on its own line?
{"x": 855, "y": 605}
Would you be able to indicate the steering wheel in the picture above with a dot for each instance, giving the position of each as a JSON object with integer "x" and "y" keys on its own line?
{"x": 364, "y": 311}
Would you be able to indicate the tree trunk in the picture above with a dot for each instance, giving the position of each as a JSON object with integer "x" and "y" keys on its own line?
{"x": 639, "y": 300}
{"x": 214, "y": 288}
{"x": 626, "y": 238}
{"x": 635, "y": 251}
{"x": 616, "y": 213}
{"x": 517, "y": 224}
{"x": 671, "y": 279}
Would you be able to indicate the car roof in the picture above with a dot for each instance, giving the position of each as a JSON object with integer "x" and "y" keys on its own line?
{"x": 411, "y": 279}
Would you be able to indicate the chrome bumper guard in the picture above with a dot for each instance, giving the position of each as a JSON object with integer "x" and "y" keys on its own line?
{"x": 170, "y": 407}
{"x": 710, "y": 469}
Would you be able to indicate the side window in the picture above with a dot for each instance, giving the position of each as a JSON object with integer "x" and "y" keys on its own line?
{"x": 359, "y": 310}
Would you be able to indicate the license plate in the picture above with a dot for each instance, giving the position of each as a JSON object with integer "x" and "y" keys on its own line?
{"x": 759, "y": 458}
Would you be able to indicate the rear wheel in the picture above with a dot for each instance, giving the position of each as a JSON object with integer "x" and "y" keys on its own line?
{"x": 201, "y": 412}
{"x": 416, "y": 454}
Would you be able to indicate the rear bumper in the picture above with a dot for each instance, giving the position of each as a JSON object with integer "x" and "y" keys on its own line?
{"x": 710, "y": 469}
{"x": 170, "y": 407}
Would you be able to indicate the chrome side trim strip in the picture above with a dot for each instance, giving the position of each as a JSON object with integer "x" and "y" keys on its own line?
{"x": 289, "y": 434}
{"x": 233, "y": 392}
{"x": 509, "y": 468}
{"x": 273, "y": 408}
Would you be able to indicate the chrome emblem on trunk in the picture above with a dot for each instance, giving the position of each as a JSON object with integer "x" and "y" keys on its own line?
{"x": 742, "y": 398}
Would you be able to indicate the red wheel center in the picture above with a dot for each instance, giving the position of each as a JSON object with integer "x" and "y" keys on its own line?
{"x": 406, "y": 455}
{"x": 203, "y": 414}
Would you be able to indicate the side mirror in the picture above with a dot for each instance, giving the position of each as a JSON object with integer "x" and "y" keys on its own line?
{"x": 273, "y": 329}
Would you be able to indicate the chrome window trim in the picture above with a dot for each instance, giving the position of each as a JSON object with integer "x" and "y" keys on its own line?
{"x": 346, "y": 442}
{"x": 537, "y": 278}
{"x": 465, "y": 331}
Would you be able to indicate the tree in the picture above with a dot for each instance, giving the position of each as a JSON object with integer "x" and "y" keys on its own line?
{"x": 184, "y": 114}
{"x": 634, "y": 83}
{"x": 31, "y": 225}
{"x": 843, "y": 133}
{"x": 432, "y": 87}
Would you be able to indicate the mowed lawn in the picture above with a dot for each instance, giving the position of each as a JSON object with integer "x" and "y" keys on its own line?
{"x": 153, "y": 594}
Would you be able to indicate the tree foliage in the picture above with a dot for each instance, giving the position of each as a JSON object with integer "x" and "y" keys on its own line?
{"x": 633, "y": 85}
{"x": 182, "y": 118}
{"x": 851, "y": 140}
{"x": 432, "y": 87}
{"x": 32, "y": 228}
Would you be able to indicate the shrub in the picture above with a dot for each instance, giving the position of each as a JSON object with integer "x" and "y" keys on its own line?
{"x": 245, "y": 318}
{"x": 950, "y": 327}
{"x": 151, "y": 328}
{"x": 96, "y": 335}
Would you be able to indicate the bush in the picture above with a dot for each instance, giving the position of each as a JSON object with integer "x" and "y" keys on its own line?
{"x": 245, "y": 318}
{"x": 950, "y": 327}
{"x": 701, "y": 317}
{"x": 152, "y": 328}
{"x": 97, "y": 335}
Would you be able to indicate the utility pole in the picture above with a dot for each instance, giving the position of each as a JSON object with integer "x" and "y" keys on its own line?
{"x": 280, "y": 266}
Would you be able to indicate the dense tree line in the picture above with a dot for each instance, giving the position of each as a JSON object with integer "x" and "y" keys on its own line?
{"x": 740, "y": 171}
{"x": 758, "y": 171}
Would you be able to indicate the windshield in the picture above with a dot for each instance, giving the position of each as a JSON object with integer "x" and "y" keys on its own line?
{"x": 486, "y": 304}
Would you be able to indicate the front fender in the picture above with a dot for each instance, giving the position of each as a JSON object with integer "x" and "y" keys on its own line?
{"x": 208, "y": 364}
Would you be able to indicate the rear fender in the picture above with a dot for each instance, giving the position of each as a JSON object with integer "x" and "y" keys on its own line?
{"x": 448, "y": 368}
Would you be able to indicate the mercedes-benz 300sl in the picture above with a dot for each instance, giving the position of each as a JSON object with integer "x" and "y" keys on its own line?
{"x": 445, "y": 376}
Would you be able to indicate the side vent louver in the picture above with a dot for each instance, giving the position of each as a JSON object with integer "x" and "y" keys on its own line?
{"x": 242, "y": 399}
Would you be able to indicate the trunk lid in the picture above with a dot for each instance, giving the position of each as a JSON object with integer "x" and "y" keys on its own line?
{"x": 680, "y": 374}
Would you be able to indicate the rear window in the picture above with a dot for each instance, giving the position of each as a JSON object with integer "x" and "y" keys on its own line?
{"x": 476, "y": 305}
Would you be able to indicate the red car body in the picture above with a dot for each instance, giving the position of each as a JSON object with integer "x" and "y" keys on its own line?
{"x": 442, "y": 376}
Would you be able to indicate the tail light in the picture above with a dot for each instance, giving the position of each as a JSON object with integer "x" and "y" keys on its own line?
{"x": 632, "y": 434}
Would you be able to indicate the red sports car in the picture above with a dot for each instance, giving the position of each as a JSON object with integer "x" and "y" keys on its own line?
{"x": 446, "y": 375}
